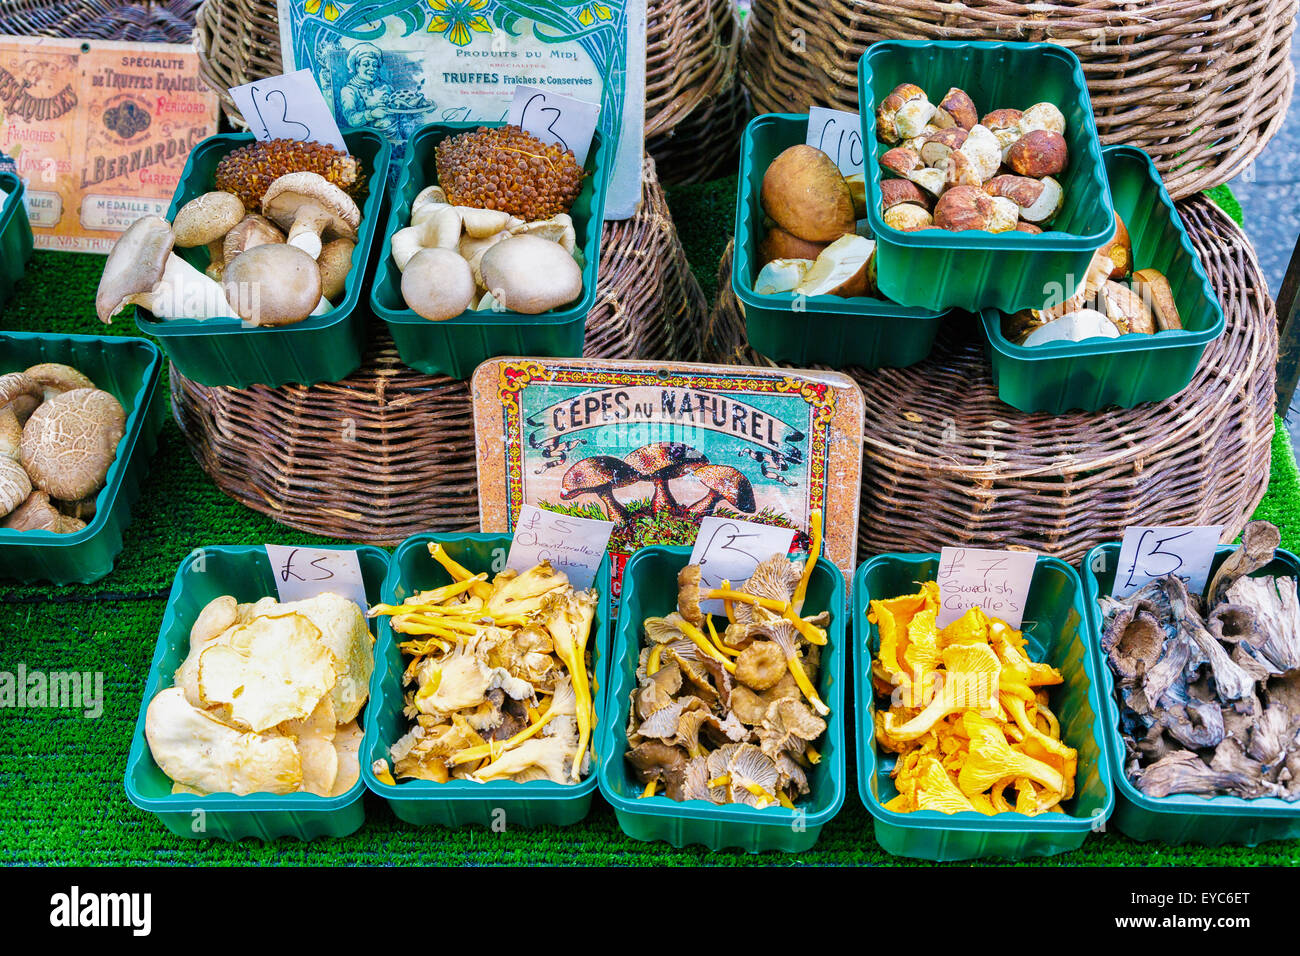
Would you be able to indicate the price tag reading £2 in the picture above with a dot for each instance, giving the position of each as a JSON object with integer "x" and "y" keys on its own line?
{"x": 288, "y": 106}
{"x": 552, "y": 118}
{"x": 1150, "y": 553}
{"x": 997, "y": 581}
{"x": 730, "y": 550}
{"x": 838, "y": 134}
{"x": 302, "y": 573}
{"x": 572, "y": 545}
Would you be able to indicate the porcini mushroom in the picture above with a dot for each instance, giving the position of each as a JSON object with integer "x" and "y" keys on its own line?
{"x": 70, "y": 441}
{"x": 840, "y": 270}
{"x": 15, "y": 485}
{"x": 530, "y": 275}
{"x": 312, "y": 209}
{"x": 781, "y": 275}
{"x": 724, "y": 484}
{"x": 205, "y": 221}
{"x": 437, "y": 284}
{"x": 1152, "y": 286}
{"x": 142, "y": 270}
{"x": 903, "y": 113}
{"x": 659, "y": 463}
{"x": 601, "y": 476}
{"x": 274, "y": 284}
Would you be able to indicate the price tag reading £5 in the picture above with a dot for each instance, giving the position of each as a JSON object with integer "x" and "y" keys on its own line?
{"x": 552, "y": 118}
{"x": 288, "y": 106}
{"x": 997, "y": 581}
{"x": 1150, "y": 553}
{"x": 302, "y": 573}
{"x": 730, "y": 550}
{"x": 572, "y": 545}
{"x": 838, "y": 134}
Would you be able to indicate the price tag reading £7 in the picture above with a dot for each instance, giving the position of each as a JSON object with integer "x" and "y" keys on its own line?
{"x": 838, "y": 134}
{"x": 1150, "y": 553}
{"x": 572, "y": 545}
{"x": 552, "y": 118}
{"x": 288, "y": 106}
{"x": 730, "y": 550}
{"x": 302, "y": 573}
{"x": 997, "y": 581}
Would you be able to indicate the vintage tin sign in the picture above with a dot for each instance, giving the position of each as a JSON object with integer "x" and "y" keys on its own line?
{"x": 627, "y": 441}
{"x": 100, "y": 131}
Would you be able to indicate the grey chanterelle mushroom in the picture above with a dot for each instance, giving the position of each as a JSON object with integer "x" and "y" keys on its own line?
{"x": 142, "y": 270}
{"x": 311, "y": 208}
{"x": 70, "y": 441}
{"x": 600, "y": 475}
{"x": 724, "y": 483}
{"x": 659, "y": 463}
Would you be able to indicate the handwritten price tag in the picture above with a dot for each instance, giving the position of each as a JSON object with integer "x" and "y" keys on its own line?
{"x": 728, "y": 549}
{"x": 997, "y": 581}
{"x": 572, "y": 545}
{"x": 838, "y": 134}
{"x": 302, "y": 573}
{"x": 288, "y": 106}
{"x": 552, "y": 118}
{"x": 1150, "y": 553}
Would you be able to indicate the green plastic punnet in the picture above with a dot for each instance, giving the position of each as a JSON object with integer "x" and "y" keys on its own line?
{"x": 972, "y": 270}
{"x": 129, "y": 369}
{"x": 460, "y": 802}
{"x": 826, "y": 329}
{"x": 457, "y": 346}
{"x": 321, "y": 348}
{"x": 1182, "y": 817}
{"x": 15, "y": 235}
{"x": 1134, "y": 368}
{"x": 650, "y": 590}
{"x": 1057, "y": 631}
{"x": 244, "y": 572}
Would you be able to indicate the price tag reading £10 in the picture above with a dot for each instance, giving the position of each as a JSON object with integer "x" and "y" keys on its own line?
{"x": 552, "y": 118}
{"x": 288, "y": 106}
{"x": 572, "y": 545}
{"x": 997, "y": 581}
{"x": 302, "y": 573}
{"x": 1150, "y": 553}
{"x": 730, "y": 550}
{"x": 838, "y": 134}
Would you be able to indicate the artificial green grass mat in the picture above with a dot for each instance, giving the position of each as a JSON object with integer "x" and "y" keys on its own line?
{"x": 62, "y": 799}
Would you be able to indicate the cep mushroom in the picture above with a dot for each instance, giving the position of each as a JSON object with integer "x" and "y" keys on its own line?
{"x": 724, "y": 484}
{"x": 205, "y": 221}
{"x": 659, "y": 463}
{"x": 142, "y": 270}
{"x": 530, "y": 275}
{"x": 312, "y": 209}
{"x": 438, "y": 285}
{"x": 274, "y": 284}
{"x": 600, "y": 475}
{"x": 70, "y": 441}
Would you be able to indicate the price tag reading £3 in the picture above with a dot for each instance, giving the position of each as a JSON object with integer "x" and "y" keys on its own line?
{"x": 1150, "y": 553}
{"x": 838, "y": 134}
{"x": 997, "y": 581}
{"x": 288, "y": 106}
{"x": 302, "y": 573}
{"x": 572, "y": 545}
{"x": 552, "y": 118}
{"x": 730, "y": 550}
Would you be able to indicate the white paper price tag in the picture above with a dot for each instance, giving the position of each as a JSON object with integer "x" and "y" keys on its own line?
{"x": 838, "y": 134}
{"x": 288, "y": 106}
{"x": 553, "y": 118}
{"x": 730, "y": 550}
{"x": 302, "y": 573}
{"x": 997, "y": 581}
{"x": 572, "y": 545}
{"x": 1152, "y": 552}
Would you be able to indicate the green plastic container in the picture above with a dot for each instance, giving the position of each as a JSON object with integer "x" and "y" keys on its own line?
{"x": 458, "y": 346}
{"x": 15, "y": 235}
{"x": 243, "y": 571}
{"x": 650, "y": 589}
{"x": 129, "y": 369}
{"x": 1057, "y": 630}
{"x": 321, "y": 348}
{"x": 1184, "y": 817}
{"x": 939, "y": 269}
{"x": 460, "y": 802}
{"x": 1134, "y": 368}
{"x": 823, "y": 329}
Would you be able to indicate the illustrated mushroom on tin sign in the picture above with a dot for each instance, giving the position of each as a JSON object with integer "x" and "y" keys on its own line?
{"x": 659, "y": 463}
{"x": 725, "y": 484}
{"x": 600, "y": 475}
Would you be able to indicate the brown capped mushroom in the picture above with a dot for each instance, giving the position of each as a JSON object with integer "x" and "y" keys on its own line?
{"x": 83, "y": 508}
{"x": 335, "y": 263}
{"x": 779, "y": 244}
{"x": 255, "y": 230}
{"x": 955, "y": 109}
{"x": 273, "y": 284}
{"x": 761, "y": 665}
{"x": 804, "y": 193}
{"x": 142, "y": 270}
{"x": 1005, "y": 215}
{"x": 1005, "y": 125}
{"x": 15, "y": 485}
{"x": 724, "y": 483}
{"x": 312, "y": 209}
{"x": 900, "y": 161}
{"x": 962, "y": 208}
{"x": 36, "y": 513}
{"x": 11, "y": 435}
{"x": 70, "y": 441}
{"x": 1153, "y": 288}
{"x": 840, "y": 270}
{"x": 1042, "y": 116}
{"x": 205, "y": 221}
{"x": 908, "y": 217}
{"x": 530, "y": 275}
{"x": 895, "y": 191}
{"x": 981, "y": 147}
{"x": 903, "y": 113}
{"x": 1038, "y": 153}
{"x": 1039, "y": 199}
{"x": 20, "y": 395}
{"x": 1120, "y": 251}
{"x": 601, "y": 476}
{"x": 55, "y": 379}
{"x": 659, "y": 463}
{"x": 437, "y": 284}
{"x": 1126, "y": 309}
{"x": 937, "y": 146}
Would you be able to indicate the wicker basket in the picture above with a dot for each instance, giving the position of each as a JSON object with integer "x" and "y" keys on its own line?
{"x": 945, "y": 462}
{"x": 389, "y": 452}
{"x": 145, "y": 21}
{"x": 1202, "y": 86}
{"x": 706, "y": 143}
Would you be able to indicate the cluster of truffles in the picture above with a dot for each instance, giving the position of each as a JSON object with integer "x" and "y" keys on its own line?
{"x": 1113, "y": 300}
{"x": 507, "y": 169}
{"x": 278, "y": 251}
{"x": 58, "y": 436}
{"x": 954, "y": 170}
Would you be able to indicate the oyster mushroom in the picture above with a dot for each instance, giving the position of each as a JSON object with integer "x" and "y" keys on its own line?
{"x": 433, "y": 226}
{"x": 15, "y": 485}
{"x": 312, "y": 209}
{"x": 142, "y": 270}
{"x": 659, "y": 463}
{"x": 274, "y": 284}
{"x": 724, "y": 484}
{"x": 70, "y": 441}
{"x": 205, "y": 221}
{"x": 601, "y": 476}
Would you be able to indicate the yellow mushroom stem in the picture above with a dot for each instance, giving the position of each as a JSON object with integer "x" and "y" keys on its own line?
{"x": 784, "y": 800}
{"x": 813, "y": 755}
{"x": 727, "y": 605}
{"x": 814, "y": 552}
{"x": 440, "y": 596}
{"x": 479, "y": 588}
{"x": 493, "y": 749}
{"x": 433, "y": 620}
{"x": 380, "y": 769}
{"x": 702, "y": 642}
{"x": 811, "y": 632}
{"x": 652, "y": 663}
{"x": 805, "y": 685}
{"x": 719, "y": 781}
{"x": 717, "y": 641}
{"x": 437, "y": 630}
{"x": 720, "y": 594}
{"x": 649, "y": 790}
{"x": 422, "y": 648}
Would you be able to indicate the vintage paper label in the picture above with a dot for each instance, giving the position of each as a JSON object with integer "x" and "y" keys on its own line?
{"x": 996, "y": 581}
{"x": 625, "y": 441}
{"x": 100, "y": 131}
{"x": 304, "y": 573}
{"x": 1148, "y": 553}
